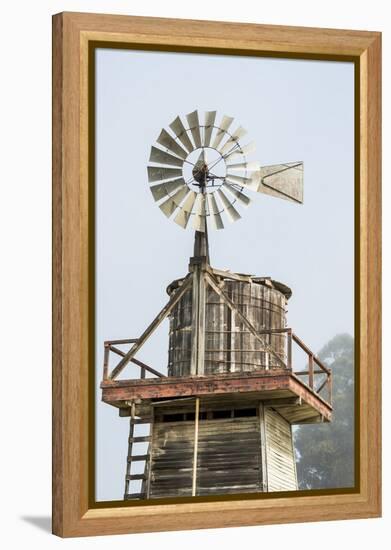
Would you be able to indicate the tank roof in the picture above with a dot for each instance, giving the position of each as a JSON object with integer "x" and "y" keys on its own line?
{"x": 242, "y": 277}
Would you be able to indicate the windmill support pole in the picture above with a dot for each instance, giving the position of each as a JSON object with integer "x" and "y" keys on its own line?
{"x": 199, "y": 265}
{"x": 197, "y": 366}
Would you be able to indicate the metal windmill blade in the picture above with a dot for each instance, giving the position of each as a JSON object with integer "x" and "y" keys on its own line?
{"x": 194, "y": 125}
{"x": 284, "y": 181}
{"x": 245, "y": 181}
{"x": 241, "y": 197}
{"x": 160, "y": 173}
{"x": 232, "y": 214}
{"x": 184, "y": 213}
{"x": 162, "y": 190}
{"x": 222, "y": 130}
{"x": 243, "y": 167}
{"x": 233, "y": 140}
{"x": 241, "y": 151}
{"x": 171, "y": 145}
{"x": 169, "y": 206}
{"x": 210, "y": 117}
{"x": 162, "y": 157}
{"x": 181, "y": 133}
{"x": 214, "y": 212}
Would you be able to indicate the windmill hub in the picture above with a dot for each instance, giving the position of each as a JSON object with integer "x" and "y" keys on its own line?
{"x": 200, "y": 173}
{"x": 205, "y": 170}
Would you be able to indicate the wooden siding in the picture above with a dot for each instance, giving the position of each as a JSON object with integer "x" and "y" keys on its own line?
{"x": 172, "y": 459}
{"x": 280, "y": 459}
{"x": 228, "y": 457}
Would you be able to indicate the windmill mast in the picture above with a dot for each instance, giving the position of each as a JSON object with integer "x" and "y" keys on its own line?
{"x": 201, "y": 241}
{"x": 198, "y": 265}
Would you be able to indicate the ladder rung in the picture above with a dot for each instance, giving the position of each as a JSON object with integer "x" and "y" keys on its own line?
{"x": 129, "y": 496}
{"x": 139, "y": 439}
{"x": 138, "y": 458}
{"x": 132, "y": 477}
{"x": 140, "y": 420}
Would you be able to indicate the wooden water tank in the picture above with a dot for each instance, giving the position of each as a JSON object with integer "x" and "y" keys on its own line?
{"x": 229, "y": 346}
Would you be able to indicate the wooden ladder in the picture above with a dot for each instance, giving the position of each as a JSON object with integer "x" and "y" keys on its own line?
{"x": 146, "y": 458}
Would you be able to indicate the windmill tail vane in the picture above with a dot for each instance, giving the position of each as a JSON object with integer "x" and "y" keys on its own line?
{"x": 200, "y": 171}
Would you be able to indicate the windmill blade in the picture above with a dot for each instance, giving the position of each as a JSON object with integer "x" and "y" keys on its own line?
{"x": 239, "y": 180}
{"x": 169, "y": 142}
{"x": 210, "y": 117}
{"x": 199, "y": 213}
{"x": 242, "y": 198}
{"x": 161, "y": 157}
{"x": 169, "y": 206}
{"x": 194, "y": 125}
{"x": 251, "y": 183}
{"x": 232, "y": 141}
{"x": 214, "y": 212}
{"x": 246, "y": 150}
{"x": 284, "y": 181}
{"x": 184, "y": 212}
{"x": 229, "y": 209}
{"x": 244, "y": 167}
{"x": 181, "y": 133}
{"x": 159, "y": 173}
{"x": 224, "y": 125}
{"x": 164, "y": 189}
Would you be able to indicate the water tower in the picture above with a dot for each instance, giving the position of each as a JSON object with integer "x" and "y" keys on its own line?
{"x": 221, "y": 420}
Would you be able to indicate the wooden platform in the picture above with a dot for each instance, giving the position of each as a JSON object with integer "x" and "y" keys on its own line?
{"x": 279, "y": 388}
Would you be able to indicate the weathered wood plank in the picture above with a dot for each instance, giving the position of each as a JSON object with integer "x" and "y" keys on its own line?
{"x": 281, "y": 466}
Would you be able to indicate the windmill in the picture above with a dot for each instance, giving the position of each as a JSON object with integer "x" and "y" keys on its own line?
{"x": 221, "y": 421}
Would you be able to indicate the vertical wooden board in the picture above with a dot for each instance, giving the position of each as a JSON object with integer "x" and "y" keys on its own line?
{"x": 233, "y": 294}
{"x": 213, "y": 332}
{"x": 180, "y": 337}
{"x": 281, "y": 465}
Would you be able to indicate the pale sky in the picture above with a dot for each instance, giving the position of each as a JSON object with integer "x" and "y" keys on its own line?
{"x": 294, "y": 110}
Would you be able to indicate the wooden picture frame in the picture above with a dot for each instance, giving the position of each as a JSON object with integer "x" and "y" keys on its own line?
{"x": 74, "y": 37}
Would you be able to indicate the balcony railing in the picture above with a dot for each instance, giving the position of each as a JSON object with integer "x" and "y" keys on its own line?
{"x": 315, "y": 374}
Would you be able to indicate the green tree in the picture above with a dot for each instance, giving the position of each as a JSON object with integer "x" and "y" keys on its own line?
{"x": 325, "y": 452}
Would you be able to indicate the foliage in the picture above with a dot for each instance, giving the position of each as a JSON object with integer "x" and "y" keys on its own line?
{"x": 325, "y": 452}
